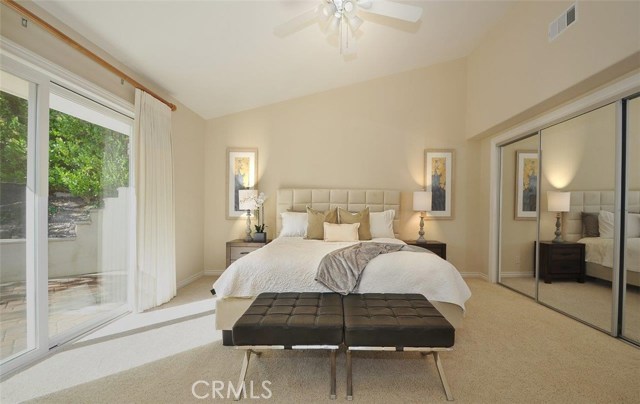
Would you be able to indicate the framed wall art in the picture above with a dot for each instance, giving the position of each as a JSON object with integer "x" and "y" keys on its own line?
{"x": 242, "y": 173}
{"x": 438, "y": 175}
{"x": 526, "y": 185}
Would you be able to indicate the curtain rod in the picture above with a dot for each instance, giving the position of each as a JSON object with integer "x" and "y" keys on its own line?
{"x": 77, "y": 46}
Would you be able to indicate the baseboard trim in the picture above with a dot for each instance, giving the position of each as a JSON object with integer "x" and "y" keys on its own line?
{"x": 480, "y": 275}
{"x": 190, "y": 279}
{"x": 526, "y": 274}
{"x": 213, "y": 272}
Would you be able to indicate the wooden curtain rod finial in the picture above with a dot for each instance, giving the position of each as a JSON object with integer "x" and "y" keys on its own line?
{"x": 77, "y": 46}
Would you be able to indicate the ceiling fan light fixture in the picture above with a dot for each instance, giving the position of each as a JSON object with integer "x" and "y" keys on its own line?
{"x": 328, "y": 10}
{"x": 348, "y": 7}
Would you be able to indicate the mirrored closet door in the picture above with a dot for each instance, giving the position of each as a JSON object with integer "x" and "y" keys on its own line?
{"x": 631, "y": 262}
{"x": 518, "y": 217}
{"x": 577, "y": 227}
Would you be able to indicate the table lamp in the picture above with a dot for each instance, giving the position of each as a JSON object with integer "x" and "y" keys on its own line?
{"x": 422, "y": 204}
{"x": 247, "y": 199}
{"x": 558, "y": 202}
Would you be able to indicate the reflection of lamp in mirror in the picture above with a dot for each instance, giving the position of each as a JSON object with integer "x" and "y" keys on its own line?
{"x": 558, "y": 202}
{"x": 422, "y": 204}
{"x": 247, "y": 199}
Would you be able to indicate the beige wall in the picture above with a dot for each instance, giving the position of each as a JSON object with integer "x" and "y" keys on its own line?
{"x": 187, "y": 127}
{"x": 516, "y": 72}
{"x": 370, "y": 135}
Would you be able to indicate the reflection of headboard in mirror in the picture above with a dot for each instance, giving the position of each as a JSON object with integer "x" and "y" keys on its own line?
{"x": 353, "y": 200}
{"x": 592, "y": 201}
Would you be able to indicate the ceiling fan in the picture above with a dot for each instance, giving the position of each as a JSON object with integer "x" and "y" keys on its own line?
{"x": 341, "y": 17}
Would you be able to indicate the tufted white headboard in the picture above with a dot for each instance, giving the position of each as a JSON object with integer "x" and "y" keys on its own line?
{"x": 592, "y": 201}
{"x": 353, "y": 200}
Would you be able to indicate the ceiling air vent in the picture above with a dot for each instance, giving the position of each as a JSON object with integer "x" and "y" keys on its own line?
{"x": 561, "y": 23}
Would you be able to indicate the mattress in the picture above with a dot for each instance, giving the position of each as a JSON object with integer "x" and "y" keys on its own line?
{"x": 289, "y": 264}
{"x": 599, "y": 251}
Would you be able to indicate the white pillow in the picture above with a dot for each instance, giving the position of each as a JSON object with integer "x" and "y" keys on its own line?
{"x": 605, "y": 224}
{"x": 381, "y": 224}
{"x": 341, "y": 232}
{"x": 633, "y": 225}
{"x": 294, "y": 224}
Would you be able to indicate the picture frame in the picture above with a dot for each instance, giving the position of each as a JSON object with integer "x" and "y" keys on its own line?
{"x": 527, "y": 172}
{"x": 439, "y": 169}
{"x": 242, "y": 173}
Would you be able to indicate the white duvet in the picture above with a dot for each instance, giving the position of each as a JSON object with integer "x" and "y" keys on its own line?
{"x": 600, "y": 251}
{"x": 289, "y": 264}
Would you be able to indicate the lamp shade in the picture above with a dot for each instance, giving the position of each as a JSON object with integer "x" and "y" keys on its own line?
{"x": 558, "y": 201}
{"x": 246, "y": 197}
{"x": 422, "y": 201}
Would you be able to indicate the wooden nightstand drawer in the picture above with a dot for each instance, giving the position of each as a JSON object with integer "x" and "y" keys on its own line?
{"x": 566, "y": 267}
{"x": 565, "y": 254}
{"x": 239, "y": 252}
{"x": 561, "y": 261}
{"x": 237, "y": 249}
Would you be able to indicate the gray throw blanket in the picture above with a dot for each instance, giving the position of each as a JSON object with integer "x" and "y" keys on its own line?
{"x": 341, "y": 270}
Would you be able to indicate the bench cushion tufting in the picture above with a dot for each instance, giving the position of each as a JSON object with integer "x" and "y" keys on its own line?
{"x": 395, "y": 320}
{"x": 291, "y": 319}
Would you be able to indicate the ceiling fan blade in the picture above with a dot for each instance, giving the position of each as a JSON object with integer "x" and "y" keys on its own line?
{"x": 297, "y": 23}
{"x": 390, "y": 9}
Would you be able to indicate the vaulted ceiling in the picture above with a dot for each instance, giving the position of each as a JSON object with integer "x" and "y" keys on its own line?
{"x": 221, "y": 57}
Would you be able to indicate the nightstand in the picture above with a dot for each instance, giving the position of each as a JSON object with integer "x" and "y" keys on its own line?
{"x": 437, "y": 247}
{"x": 237, "y": 249}
{"x": 561, "y": 261}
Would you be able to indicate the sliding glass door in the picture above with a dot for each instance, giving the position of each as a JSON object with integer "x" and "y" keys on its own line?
{"x": 66, "y": 213}
{"x": 17, "y": 168}
{"x": 88, "y": 211}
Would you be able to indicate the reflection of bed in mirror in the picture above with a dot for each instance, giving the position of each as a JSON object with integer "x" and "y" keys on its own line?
{"x": 599, "y": 250}
{"x": 289, "y": 264}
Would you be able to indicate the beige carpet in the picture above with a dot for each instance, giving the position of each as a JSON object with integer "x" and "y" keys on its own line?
{"x": 511, "y": 350}
{"x": 590, "y": 301}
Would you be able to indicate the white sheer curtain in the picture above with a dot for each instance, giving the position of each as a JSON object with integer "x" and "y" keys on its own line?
{"x": 155, "y": 276}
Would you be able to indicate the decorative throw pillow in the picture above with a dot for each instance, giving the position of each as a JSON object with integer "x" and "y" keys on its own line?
{"x": 316, "y": 219}
{"x": 381, "y": 224}
{"x": 362, "y": 217}
{"x": 590, "y": 225}
{"x": 605, "y": 224}
{"x": 341, "y": 232}
{"x": 294, "y": 224}
{"x": 633, "y": 225}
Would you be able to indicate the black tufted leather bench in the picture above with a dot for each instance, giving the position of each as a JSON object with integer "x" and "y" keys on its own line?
{"x": 395, "y": 322}
{"x": 291, "y": 321}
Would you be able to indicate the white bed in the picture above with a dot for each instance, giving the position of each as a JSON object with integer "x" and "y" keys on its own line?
{"x": 599, "y": 251}
{"x": 289, "y": 264}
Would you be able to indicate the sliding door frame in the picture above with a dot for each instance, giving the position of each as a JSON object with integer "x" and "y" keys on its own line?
{"x": 613, "y": 93}
{"x": 45, "y": 75}
{"x": 36, "y": 212}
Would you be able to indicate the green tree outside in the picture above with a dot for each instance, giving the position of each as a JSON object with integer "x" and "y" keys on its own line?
{"x": 85, "y": 160}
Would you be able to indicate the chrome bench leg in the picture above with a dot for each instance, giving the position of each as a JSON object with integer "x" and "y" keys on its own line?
{"x": 349, "y": 377}
{"x": 443, "y": 379}
{"x": 243, "y": 373}
{"x": 333, "y": 374}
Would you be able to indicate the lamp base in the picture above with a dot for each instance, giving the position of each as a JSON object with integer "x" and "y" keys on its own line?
{"x": 248, "y": 231}
{"x": 558, "y": 233}
{"x": 421, "y": 239}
